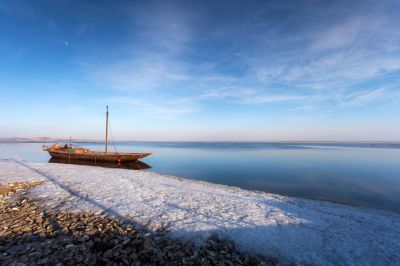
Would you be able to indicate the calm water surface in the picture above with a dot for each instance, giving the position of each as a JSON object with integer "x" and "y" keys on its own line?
{"x": 360, "y": 175}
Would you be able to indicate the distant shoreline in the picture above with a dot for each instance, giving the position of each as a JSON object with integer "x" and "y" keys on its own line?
{"x": 77, "y": 140}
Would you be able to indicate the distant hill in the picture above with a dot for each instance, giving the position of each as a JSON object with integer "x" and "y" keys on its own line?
{"x": 81, "y": 140}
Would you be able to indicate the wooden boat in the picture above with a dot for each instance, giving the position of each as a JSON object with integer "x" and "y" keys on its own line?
{"x": 70, "y": 152}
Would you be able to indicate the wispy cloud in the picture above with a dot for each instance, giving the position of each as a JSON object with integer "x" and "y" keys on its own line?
{"x": 18, "y": 8}
{"x": 250, "y": 95}
{"x": 170, "y": 110}
{"x": 147, "y": 72}
{"x": 316, "y": 66}
{"x": 374, "y": 96}
{"x": 344, "y": 53}
{"x": 205, "y": 64}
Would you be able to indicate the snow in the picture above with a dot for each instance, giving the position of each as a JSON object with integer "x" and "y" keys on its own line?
{"x": 294, "y": 230}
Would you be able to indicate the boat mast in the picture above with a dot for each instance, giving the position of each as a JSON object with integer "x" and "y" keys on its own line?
{"x": 106, "y": 128}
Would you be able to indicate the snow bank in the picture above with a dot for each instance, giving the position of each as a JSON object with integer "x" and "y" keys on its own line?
{"x": 294, "y": 230}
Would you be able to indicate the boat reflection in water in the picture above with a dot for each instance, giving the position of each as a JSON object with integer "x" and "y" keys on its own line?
{"x": 135, "y": 165}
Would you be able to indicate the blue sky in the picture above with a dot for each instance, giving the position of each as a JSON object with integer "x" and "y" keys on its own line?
{"x": 201, "y": 70}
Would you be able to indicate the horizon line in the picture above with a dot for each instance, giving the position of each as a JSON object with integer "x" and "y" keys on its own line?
{"x": 83, "y": 140}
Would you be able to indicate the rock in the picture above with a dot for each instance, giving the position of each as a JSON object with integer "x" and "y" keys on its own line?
{"x": 148, "y": 244}
{"x": 102, "y": 245}
{"x": 51, "y": 237}
{"x": 43, "y": 261}
{"x": 108, "y": 253}
{"x": 125, "y": 261}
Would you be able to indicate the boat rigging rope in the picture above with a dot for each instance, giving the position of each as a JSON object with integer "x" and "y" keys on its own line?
{"x": 93, "y": 128}
{"x": 112, "y": 137}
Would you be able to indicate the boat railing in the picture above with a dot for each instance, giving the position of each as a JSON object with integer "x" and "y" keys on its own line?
{"x": 60, "y": 147}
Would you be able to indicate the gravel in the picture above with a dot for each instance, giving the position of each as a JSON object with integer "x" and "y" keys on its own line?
{"x": 31, "y": 234}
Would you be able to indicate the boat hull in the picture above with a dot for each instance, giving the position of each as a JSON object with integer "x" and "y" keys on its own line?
{"x": 98, "y": 156}
{"x": 135, "y": 165}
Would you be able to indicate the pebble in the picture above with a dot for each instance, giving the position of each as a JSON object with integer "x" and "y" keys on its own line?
{"x": 37, "y": 236}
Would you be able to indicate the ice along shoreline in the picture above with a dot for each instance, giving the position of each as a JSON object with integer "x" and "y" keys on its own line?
{"x": 294, "y": 230}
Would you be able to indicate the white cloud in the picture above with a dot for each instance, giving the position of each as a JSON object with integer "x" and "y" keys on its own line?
{"x": 271, "y": 98}
{"x": 348, "y": 51}
{"x": 311, "y": 68}
{"x": 147, "y": 72}
{"x": 341, "y": 35}
{"x": 163, "y": 110}
{"x": 227, "y": 92}
{"x": 368, "y": 97}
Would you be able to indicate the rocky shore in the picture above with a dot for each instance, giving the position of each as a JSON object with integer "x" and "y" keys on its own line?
{"x": 30, "y": 234}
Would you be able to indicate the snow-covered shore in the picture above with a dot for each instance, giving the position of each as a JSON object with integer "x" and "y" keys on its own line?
{"x": 293, "y": 230}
